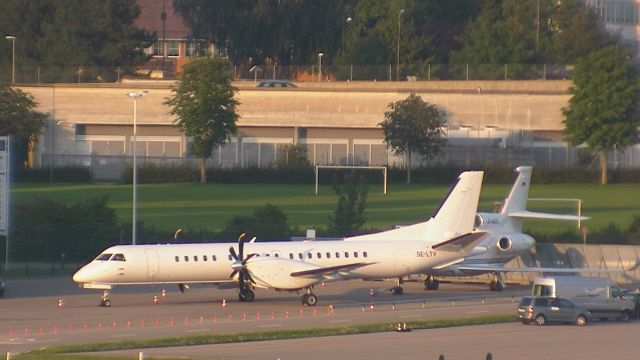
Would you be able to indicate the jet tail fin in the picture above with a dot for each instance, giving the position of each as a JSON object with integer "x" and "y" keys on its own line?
{"x": 456, "y": 213}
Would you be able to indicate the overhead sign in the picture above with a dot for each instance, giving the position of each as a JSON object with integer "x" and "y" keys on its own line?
{"x": 4, "y": 184}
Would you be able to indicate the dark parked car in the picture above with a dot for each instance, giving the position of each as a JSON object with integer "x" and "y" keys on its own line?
{"x": 542, "y": 310}
{"x": 276, "y": 84}
{"x": 634, "y": 295}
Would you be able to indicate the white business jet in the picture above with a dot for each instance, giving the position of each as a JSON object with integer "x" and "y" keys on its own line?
{"x": 504, "y": 240}
{"x": 447, "y": 237}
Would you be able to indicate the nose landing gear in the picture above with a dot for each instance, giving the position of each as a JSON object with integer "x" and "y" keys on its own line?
{"x": 104, "y": 299}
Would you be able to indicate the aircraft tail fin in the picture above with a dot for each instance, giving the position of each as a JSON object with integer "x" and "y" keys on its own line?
{"x": 517, "y": 200}
{"x": 456, "y": 213}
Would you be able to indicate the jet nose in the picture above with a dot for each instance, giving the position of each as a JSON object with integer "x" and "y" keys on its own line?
{"x": 81, "y": 276}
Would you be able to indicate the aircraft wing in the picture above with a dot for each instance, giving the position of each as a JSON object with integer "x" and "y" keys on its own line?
{"x": 329, "y": 271}
{"x": 538, "y": 215}
{"x": 501, "y": 269}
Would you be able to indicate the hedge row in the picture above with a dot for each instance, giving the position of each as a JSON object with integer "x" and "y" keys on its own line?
{"x": 150, "y": 173}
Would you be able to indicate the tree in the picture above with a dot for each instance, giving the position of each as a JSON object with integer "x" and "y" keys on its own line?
{"x": 414, "y": 126}
{"x": 205, "y": 107}
{"x": 267, "y": 222}
{"x": 19, "y": 119}
{"x": 349, "y": 216}
{"x": 603, "y": 110}
{"x": 61, "y": 35}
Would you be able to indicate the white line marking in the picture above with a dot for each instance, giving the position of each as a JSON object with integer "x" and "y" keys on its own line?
{"x": 197, "y": 330}
{"x": 268, "y": 326}
{"x": 341, "y": 321}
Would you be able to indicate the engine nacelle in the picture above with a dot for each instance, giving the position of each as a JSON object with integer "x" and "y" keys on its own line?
{"x": 275, "y": 273}
{"x": 504, "y": 243}
{"x": 514, "y": 242}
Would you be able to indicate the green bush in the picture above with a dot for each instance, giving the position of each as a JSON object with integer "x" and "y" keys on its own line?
{"x": 66, "y": 174}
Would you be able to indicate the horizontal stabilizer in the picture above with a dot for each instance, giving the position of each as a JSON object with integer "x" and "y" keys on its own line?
{"x": 539, "y": 215}
{"x": 464, "y": 243}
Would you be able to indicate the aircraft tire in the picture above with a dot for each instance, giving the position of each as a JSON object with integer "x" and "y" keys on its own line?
{"x": 246, "y": 295}
{"x": 310, "y": 300}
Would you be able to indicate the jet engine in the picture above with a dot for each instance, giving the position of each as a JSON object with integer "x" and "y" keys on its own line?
{"x": 504, "y": 243}
{"x": 514, "y": 242}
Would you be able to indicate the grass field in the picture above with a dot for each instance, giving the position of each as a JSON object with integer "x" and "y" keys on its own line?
{"x": 193, "y": 206}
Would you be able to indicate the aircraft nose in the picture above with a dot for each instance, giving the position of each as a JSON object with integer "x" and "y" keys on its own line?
{"x": 81, "y": 276}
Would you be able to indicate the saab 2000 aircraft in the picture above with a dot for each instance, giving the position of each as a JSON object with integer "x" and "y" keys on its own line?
{"x": 504, "y": 240}
{"x": 446, "y": 238}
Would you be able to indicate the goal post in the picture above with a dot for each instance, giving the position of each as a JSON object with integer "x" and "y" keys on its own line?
{"x": 383, "y": 168}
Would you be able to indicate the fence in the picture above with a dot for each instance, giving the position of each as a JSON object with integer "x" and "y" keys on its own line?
{"x": 423, "y": 72}
{"x": 514, "y": 149}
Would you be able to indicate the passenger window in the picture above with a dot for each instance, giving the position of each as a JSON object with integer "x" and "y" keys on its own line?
{"x": 300, "y": 256}
{"x": 290, "y": 255}
{"x": 364, "y": 253}
{"x": 195, "y": 257}
{"x": 177, "y": 258}
{"x": 337, "y": 255}
{"x": 267, "y": 254}
{"x": 118, "y": 257}
{"x": 346, "y": 254}
{"x": 328, "y": 255}
{"x": 309, "y": 255}
{"x": 204, "y": 258}
{"x": 355, "y": 254}
{"x": 186, "y": 259}
{"x": 276, "y": 255}
{"x": 103, "y": 257}
{"x": 319, "y": 255}
{"x": 230, "y": 258}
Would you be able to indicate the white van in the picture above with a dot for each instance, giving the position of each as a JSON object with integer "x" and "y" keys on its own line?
{"x": 600, "y": 296}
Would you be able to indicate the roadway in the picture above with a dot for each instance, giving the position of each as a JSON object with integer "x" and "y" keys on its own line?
{"x": 30, "y": 318}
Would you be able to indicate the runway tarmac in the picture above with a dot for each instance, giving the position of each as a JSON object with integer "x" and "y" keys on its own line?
{"x": 597, "y": 341}
{"x": 41, "y": 312}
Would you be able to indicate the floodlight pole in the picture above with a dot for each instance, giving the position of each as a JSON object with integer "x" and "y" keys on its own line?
{"x": 13, "y": 58}
{"x": 134, "y": 220}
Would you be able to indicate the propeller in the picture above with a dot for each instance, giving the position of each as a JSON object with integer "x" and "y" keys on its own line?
{"x": 240, "y": 265}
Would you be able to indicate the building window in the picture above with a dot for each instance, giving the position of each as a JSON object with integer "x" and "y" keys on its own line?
{"x": 158, "y": 49}
{"x": 173, "y": 48}
{"x": 197, "y": 48}
{"x": 81, "y": 129}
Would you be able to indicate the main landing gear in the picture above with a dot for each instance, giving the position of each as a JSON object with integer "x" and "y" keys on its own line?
{"x": 309, "y": 299}
{"x": 430, "y": 283}
{"x": 497, "y": 284}
{"x": 104, "y": 299}
{"x": 398, "y": 290}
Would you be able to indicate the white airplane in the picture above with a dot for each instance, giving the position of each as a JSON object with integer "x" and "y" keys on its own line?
{"x": 445, "y": 238}
{"x": 504, "y": 240}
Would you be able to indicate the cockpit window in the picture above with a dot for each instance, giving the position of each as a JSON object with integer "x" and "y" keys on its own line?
{"x": 103, "y": 257}
{"x": 118, "y": 257}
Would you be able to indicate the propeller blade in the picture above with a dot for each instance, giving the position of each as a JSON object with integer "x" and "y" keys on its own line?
{"x": 233, "y": 273}
{"x": 244, "y": 262}
{"x": 248, "y": 275}
{"x": 241, "y": 245}
{"x": 232, "y": 251}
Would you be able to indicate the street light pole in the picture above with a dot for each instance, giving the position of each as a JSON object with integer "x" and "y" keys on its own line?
{"x": 398, "y": 47}
{"x": 135, "y": 96}
{"x": 320, "y": 66}
{"x": 347, "y": 21}
{"x": 13, "y": 58}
